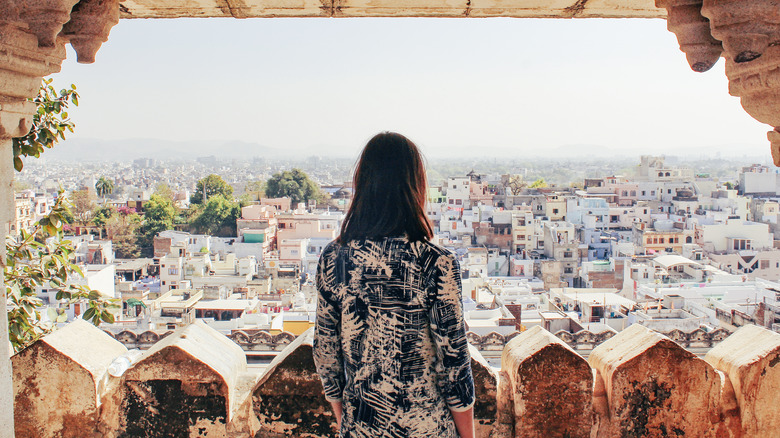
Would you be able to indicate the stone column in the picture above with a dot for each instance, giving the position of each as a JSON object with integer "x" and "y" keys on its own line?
{"x": 6, "y": 210}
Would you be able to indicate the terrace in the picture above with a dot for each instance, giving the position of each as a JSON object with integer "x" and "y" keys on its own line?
{"x": 638, "y": 383}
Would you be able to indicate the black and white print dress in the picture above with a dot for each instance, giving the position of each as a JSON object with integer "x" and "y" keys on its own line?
{"x": 390, "y": 339}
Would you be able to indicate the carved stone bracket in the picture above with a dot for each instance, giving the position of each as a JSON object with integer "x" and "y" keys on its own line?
{"x": 750, "y": 34}
{"x": 89, "y": 26}
{"x": 693, "y": 32}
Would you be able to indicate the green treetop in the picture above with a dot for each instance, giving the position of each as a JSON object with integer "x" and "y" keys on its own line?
{"x": 294, "y": 184}
{"x": 211, "y": 185}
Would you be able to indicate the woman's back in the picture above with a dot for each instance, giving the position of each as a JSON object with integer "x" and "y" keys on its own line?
{"x": 390, "y": 339}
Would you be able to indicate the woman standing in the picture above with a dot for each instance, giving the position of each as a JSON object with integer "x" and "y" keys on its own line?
{"x": 390, "y": 342}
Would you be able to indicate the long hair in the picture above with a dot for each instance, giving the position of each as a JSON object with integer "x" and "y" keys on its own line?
{"x": 390, "y": 191}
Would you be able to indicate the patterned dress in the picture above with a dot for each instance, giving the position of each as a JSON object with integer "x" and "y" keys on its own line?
{"x": 390, "y": 340}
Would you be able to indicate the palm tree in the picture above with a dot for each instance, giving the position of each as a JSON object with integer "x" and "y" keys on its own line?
{"x": 104, "y": 186}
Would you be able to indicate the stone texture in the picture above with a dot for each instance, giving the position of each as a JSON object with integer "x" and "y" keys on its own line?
{"x": 654, "y": 387}
{"x": 390, "y": 8}
{"x": 692, "y": 29}
{"x": 191, "y": 383}
{"x": 89, "y": 26}
{"x": 548, "y": 382}
{"x": 289, "y": 399}
{"x": 485, "y": 390}
{"x": 746, "y": 27}
{"x": 60, "y": 382}
{"x": 45, "y": 18}
{"x": 751, "y": 360}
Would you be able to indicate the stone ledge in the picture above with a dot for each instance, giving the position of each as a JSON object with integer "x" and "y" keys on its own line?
{"x": 195, "y": 382}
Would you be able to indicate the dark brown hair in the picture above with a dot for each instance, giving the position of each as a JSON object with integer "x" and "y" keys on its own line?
{"x": 390, "y": 190}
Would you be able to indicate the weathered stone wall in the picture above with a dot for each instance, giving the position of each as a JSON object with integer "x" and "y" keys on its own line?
{"x": 195, "y": 383}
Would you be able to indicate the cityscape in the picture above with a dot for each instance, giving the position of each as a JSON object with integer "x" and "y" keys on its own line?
{"x": 674, "y": 248}
{"x": 609, "y": 188}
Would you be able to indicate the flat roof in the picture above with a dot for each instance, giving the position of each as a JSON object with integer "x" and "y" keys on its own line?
{"x": 672, "y": 260}
{"x": 226, "y": 304}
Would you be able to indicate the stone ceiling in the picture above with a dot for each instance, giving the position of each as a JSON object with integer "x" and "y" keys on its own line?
{"x": 391, "y": 8}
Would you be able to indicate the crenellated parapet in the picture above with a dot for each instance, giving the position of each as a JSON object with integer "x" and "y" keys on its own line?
{"x": 195, "y": 382}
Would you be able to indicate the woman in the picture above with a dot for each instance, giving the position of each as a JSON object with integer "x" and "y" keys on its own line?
{"x": 390, "y": 342}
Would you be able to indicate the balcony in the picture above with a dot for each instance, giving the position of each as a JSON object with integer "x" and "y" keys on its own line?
{"x": 195, "y": 382}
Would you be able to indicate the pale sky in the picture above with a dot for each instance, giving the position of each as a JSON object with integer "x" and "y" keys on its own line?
{"x": 448, "y": 84}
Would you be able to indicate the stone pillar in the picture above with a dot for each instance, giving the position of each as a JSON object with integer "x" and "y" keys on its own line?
{"x": 32, "y": 45}
{"x": 654, "y": 387}
{"x": 548, "y": 382}
{"x": 750, "y": 358}
{"x": 7, "y": 210}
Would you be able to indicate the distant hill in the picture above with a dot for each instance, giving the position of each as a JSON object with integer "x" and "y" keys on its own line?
{"x": 88, "y": 149}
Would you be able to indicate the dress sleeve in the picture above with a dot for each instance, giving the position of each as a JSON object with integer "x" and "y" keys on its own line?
{"x": 448, "y": 329}
{"x": 327, "y": 334}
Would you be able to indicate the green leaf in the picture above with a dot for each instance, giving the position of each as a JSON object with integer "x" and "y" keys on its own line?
{"x": 106, "y": 316}
{"x": 89, "y": 314}
{"x": 51, "y": 312}
{"x": 62, "y": 318}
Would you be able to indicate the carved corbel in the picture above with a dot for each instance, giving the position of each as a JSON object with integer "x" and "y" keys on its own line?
{"x": 750, "y": 31}
{"x": 89, "y": 26}
{"x": 693, "y": 32}
{"x": 746, "y": 27}
{"x": 45, "y": 18}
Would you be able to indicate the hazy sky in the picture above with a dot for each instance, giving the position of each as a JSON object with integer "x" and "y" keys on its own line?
{"x": 446, "y": 83}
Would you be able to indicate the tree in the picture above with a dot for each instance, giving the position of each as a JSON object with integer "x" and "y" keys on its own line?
{"x": 517, "y": 184}
{"x": 49, "y": 123}
{"x": 294, "y": 184}
{"x": 211, "y": 185}
{"x": 83, "y": 206}
{"x": 218, "y": 217}
{"x": 101, "y": 216}
{"x": 254, "y": 190}
{"x": 122, "y": 230}
{"x": 164, "y": 191}
{"x": 538, "y": 184}
{"x": 32, "y": 264}
{"x": 159, "y": 215}
{"x": 104, "y": 186}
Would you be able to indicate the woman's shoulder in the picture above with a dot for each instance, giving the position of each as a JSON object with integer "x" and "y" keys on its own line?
{"x": 429, "y": 249}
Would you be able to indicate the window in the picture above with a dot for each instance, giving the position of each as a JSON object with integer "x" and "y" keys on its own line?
{"x": 567, "y": 254}
{"x": 764, "y": 264}
{"x": 643, "y": 193}
{"x": 555, "y": 211}
{"x": 458, "y": 202}
{"x": 676, "y": 240}
{"x": 625, "y": 193}
{"x": 452, "y": 201}
{"x": 568, "y": 270}
{"x": 646, "y": 275}
{"x": 633, "y": 192}
{"x": 649, "y": 240}
{"x": 163, "y": 283}
{"x": 661, "y": 240}
{"x": 173, "y": 271}
{"x": 669, "y": 191}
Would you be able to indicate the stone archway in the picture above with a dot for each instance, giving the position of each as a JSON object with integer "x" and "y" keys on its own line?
{"x": 33, "y": 35}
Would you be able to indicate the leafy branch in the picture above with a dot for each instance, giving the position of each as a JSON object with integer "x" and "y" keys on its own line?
{"x": 41, "y": 259}
{"x": 49, "y": 122}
